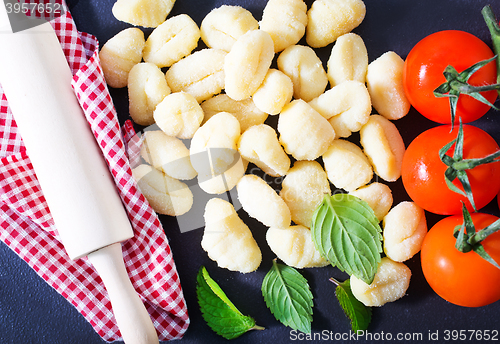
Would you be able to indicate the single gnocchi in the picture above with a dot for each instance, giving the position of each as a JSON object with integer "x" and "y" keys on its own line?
{"x": 347, "y": 107}
{"x": 260, "y": 146}
{"x": 245, "y": 111}
{"x": 275, "y": 92}
{"x": 225, "y": 24}
{"x": 304, "y": 133}
{"x": 146, "y": 89}
{"x": 200, "y": 74}
{"x": 227, "y": 239}
{"x": 404, "y": 229}
{"x": 261, "y": 202}
{"x": 390, "y": 284}
{"x": 378, "y": 196}
{"x": 306, "y": 71}
{"x": 346, "y": 165}
{"x": 246, "y": 65}
{"x": 167, "y": 154}
{"x": 330, "y": 19}
{"x": 146, "y": 13}
{"x": 384, "y": 80}
{"x": 285, "y": 21}
{"x": 214, "y": 154}
{"x": 303, "y": 189}
{"x": 348, "y": 60}
{"x": 166, "y": 195}
{"x": 179, "y": 115}
{"x": 171, "y": 41}
{"x": 119, "y": 54}
{"x": 384, "y": 147}
{"x": 295, "y": 247}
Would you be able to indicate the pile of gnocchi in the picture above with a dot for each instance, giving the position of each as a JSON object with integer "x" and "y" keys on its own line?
{"x": 214, "y": 102}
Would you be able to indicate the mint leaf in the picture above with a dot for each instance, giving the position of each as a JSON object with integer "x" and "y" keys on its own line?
{"x": 287, "y": 294}
{"x": 347, "y": 233}
{"x": 359, "y": 314}
{"x": 218, "y": 311}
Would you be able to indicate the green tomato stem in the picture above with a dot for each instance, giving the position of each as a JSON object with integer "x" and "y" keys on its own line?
{"x": 491, "y": 22}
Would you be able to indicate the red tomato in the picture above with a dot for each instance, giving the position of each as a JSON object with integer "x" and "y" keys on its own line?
{"x": 423, "y": 171}
{"x": 464, "y": 279}
{"x": 424, "y": 68}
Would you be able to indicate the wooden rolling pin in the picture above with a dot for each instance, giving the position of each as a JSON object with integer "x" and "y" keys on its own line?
{"x": 69, "y": 165}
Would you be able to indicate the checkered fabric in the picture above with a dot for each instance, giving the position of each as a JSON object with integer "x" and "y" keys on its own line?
{"x": 26, "y": 225}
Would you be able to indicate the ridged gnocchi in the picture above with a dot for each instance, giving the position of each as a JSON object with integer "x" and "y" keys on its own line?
{"x": 227, "y": 239}
{"x": 285, "y": 21}
{"x": 275, "y": 92}
{"x": 146, "y": 89}
{"x": 119, "y": 54}
{"x": 294, "y": 246}
{"x": 144, "y": 13}
{"x": 346, "y": 106}
{"x": 171, "y": 41}
{"x": 261, "y": 202}
{"x": 378, "y": 196}
{"x": 260, "y": 146}
{"x": 348, "y": 60}
{"x": 200, "y": 74}
{"x": 330, "y": 19}
{"x": 179, "y": 115}
{"x": 384, "y": 147}
{"x": 390, "y": 284}
{"x": 384, "y": 80}
{"x": 166, "y": 195}
{"x": 404, "y": 229}
{"x": 346, "y": 165}
{"x": 304, "y": 133}
{"x": 225, "y": 24}
{"x": 305, "y": 69}
{"x": 303, "y": 189}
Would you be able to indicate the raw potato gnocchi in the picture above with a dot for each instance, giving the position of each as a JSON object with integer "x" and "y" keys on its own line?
{"x": 346, "y": 106}
{"x": 146, "y": 13}
{"x": 261, "y": 202}
{"x": 378, "y": 196}
{"x": 146, "y": 89}
{"x": 120, "y": 53}
{"x": 384, "y": 147}
{"x": 330, "y": 19}
{"x": 214, "y": 154}
{"x": 246, "y": 65}
{"x": 224, "y": 25}
{"x": 227, "y": 239}
{"x": 285, "y": 21}
{"x": 294, "y": 246}
{"x": 179, "y": 115}
{"x": 384, "y": 80}
{"x": 275, "y": 92}
{"x": 167, "y": 154}
{"x": 200, "y": 74}
{"x": 260, "y": 146}
{"x": 245, "y": 110}
{"x": 303, "y": 189}
{"x": 346, "y": 165}
{"x": 348, "y": 60}
{"x": 304, "y": 133}
{"x": 166, "y": 195}
{"x": 306, "y": 71}
{"x": 404, "y": 229}
{"x": 171, "y": 41}
{"x": 390, "y": 284}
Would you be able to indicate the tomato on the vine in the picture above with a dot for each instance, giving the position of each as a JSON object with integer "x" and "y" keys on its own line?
{"x": 423, "y": 73}
{"x": 423, "y": 171}
{"x": 465, "y": 279}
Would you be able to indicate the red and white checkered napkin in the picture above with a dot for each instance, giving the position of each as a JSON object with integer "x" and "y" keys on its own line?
{"x": 26, "y": 225}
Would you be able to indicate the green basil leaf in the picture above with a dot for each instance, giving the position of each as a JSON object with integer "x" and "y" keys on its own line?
{"x": 287, "y": 294}
{"x": 218, "y": 311}
{"x": 359, "y": 314}
{"x": 347, "y": 233}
